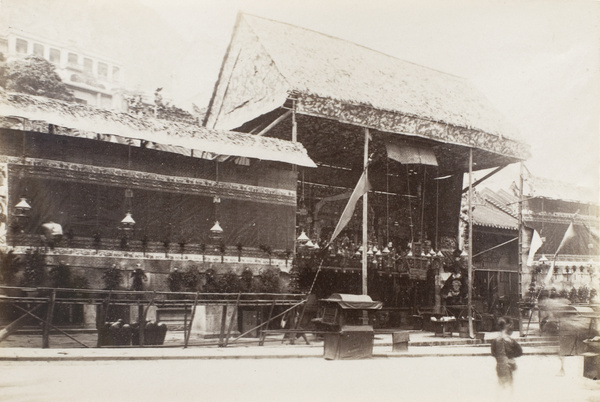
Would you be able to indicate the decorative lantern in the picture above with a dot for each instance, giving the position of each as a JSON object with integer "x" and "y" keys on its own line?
{"x": 216, "y": 233}
{"x": 127, "y": 223}
{"x": 22, "y": 208}
{"x": 303, "y": 238}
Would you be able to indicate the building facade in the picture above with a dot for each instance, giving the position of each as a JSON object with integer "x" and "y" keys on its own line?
{"x": 94, "y": 80}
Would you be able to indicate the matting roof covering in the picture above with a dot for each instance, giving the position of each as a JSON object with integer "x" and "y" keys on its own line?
{"x": 268, "y": 62}
{"x": 32, "y": 113}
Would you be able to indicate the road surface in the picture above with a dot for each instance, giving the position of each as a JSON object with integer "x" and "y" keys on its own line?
{"x": 420, "y": 379}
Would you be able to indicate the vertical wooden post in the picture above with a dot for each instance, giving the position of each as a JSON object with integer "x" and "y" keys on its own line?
{"x": 270, "y": 313}
{"x": 365, "y": 212}
{"x": 48, "y": 323}
{"x": 223, "y": 322}
{"x": 295, "y": 170}
{"x": 520, "y": 248}
{"x": 143, "y": 319}
{"x": 185, "y": 324}
{"x": 470, "y": 255}
{"x": 232, "y": 320}
{"x": 189, "y": 330}
{"x": 142, "y": 322}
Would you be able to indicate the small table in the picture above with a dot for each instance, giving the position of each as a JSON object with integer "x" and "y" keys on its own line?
{"x": 443, "y": 328}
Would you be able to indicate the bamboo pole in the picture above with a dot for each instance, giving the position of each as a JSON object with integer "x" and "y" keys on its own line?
{"x": 520, "y": 247}
{"x": 365, "y": 212}
{"x": 266, "y": 322}
{"x": 52, "y": 326}
{"x": 470, "y": 257}
{"x": 232, "y": 319}
{"x": 142, "y": 322}
{"x": 143, "y": 319}
{"x": 223, "y": 322}
{"x": 189, "y": 330}
{"x": 48, "y": 322}
{"x": 16, "y": 324}
{"x": 185, "y": 325}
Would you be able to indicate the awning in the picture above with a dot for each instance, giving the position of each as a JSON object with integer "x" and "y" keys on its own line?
{"x": 31, "y": 113}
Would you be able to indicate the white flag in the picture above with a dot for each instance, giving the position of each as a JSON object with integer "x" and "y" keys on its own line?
{"x": 362, "y": 187}
{"x": 536, "y": 243}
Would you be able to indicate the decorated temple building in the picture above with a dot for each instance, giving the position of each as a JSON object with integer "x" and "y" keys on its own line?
{"x": 416, "y": 129}
{"x": 95, "y": 189}
{"x": 296, "y": 121}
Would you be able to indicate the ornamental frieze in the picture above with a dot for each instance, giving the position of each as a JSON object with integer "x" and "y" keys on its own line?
{"x": 390, "y": 121}
{"x": 80, "y": 173}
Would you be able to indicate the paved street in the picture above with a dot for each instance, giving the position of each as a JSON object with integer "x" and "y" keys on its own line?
{"x": 380, "y": 379}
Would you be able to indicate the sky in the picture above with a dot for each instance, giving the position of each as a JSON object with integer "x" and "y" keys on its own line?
{"x": 537, "y": 61}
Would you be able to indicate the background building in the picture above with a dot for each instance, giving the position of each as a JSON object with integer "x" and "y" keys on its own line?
{"x": 93, "y": 79}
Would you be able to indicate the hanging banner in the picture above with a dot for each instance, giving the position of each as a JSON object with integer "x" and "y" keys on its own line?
{"x": 407, "y": 153}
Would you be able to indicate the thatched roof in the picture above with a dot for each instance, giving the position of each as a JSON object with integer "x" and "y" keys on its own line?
{"x": 32, "y": 113}
{"x": 268, "y": 62}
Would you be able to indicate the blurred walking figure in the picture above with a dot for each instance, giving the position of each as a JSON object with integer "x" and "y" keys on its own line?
{"x": 505, "y": 349}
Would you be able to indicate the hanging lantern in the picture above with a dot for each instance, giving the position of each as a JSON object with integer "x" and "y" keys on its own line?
{"x": 216, "y": 233}
{"x": 22, "y": 208}
{"x": 543, "y": 260}
{"x": 464, "y": 254}
{"x": 386, "y": 251}
{"x": 439, "y": 254}
{"x": 410, "y": 254}
{"x": 316, "y": 246}
{"x": 127, "y": 223}
{"x": 303, "y": 238}
{"x": 309, "y": 244}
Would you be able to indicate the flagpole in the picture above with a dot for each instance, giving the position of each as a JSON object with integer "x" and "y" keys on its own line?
{"x": 365, "y": 217}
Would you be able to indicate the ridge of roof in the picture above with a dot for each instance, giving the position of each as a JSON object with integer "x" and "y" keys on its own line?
{"x": 425, "y": 90}
{"x": 351, "y": 42}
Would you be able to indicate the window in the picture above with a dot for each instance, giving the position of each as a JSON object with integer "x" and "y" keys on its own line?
{"x": 88, "y": 65}
{"x": 116, "y": 73}
{"x": 21, "y": 46}
{"x": 73, "y": 58}
{"x": 38, "y": 49}
{"x": 103, "y": 70}
{"x": 55, "y": 55}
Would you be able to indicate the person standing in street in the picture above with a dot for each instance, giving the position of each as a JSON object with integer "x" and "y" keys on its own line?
{"x": 505, "y": 349}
